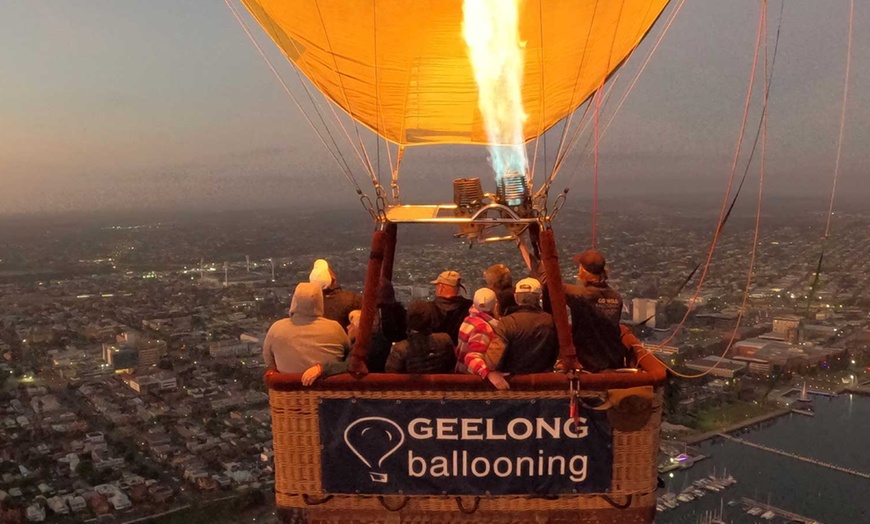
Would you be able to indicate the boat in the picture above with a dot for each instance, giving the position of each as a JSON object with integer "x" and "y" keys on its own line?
{"x": 698, "y": 493}
{"x": 669, "y": 499}
{"x": 685, "y": 497}
{"x": 755, "y": 511}
{"x": 768, "y": 515}
{"x": 660, "y": 506}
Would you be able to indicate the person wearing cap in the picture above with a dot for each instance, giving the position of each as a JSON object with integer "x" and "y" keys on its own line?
{"x": 525, "y": 340}
{"x": 593, "y": 287}
{"x": 306, "y": 342}
{"x": 476, "y": 335}
{"x": 337, "y": 303}
{"x": 498, "y": 278}
{"x": 595, "y": 312}
{"x": 452, "y": 306}
{"x": 390, "y": 326}
{"x": 423, "y": 351}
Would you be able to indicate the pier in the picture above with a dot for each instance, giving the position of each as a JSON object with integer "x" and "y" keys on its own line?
{"x": 695, "y": 439}
{"x": 808, "y": 460}
{"x": 749, "y": 503}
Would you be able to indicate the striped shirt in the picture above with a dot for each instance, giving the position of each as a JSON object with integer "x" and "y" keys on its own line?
{"x": 475, "y": 335}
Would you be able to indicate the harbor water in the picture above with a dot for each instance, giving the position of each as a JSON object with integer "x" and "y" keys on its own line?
{"x": 839, "y": 434}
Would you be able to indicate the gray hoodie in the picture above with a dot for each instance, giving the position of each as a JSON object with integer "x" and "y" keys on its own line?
{"x": 294, "y": 344}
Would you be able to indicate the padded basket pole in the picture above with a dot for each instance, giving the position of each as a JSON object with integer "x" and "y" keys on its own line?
{"x": 567, "y": 351}
{"x": 370, "y": 301}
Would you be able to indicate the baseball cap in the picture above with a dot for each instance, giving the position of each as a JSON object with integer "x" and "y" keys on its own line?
{"x": 591, "y": 260}
{"x": 484, "y": 299}
{"x": 450, "y": 278}
{"x": 528, "y": 285}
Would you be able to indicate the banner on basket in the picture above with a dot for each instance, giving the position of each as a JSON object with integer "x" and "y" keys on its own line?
{"x": 463, "y": 447}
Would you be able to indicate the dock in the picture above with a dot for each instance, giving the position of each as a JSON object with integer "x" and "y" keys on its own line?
{"x": 696, "y": 439}
{"x": 808, "y": 460}
{"x": 749, "y": 503}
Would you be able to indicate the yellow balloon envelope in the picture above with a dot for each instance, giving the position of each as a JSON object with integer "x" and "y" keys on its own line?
{"x": 401, "y": 67}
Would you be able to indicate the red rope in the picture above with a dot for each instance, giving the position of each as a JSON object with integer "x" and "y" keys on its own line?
{"x": 595, "y": 165}
{"x": 718, "y": 232}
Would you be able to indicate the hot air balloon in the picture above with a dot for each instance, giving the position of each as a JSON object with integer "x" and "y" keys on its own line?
{"x": 499, "y": 74}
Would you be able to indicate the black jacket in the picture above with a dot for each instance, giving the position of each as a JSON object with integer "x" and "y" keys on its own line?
{"x": 451, "y": 312}
{"x": 421, "y": 353}
{"x": 606, "y": 301}
{"x": 597, "y": 338}
{"x": 529, "y": 339}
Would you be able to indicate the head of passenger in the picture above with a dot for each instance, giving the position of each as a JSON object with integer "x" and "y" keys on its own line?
{"x": 422, "y": 317}
{"x": 322, "y": 275}
{"x": 485, "y": 301}
{"x": 307, "y": 303}
{"x": 498, "y": 276}
{"x": 448, "y": 284}
{"x": 528, "y": 293}
{"x": 353, "y": 325}
{"x": 590, "y": 268}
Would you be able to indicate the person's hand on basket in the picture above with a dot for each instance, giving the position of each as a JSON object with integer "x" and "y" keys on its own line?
{"x": 311, "y": 374}
{"x": 496, "y": 378}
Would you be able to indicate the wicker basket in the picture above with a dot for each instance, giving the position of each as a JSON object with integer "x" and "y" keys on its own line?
{"x": 301, "y": 498}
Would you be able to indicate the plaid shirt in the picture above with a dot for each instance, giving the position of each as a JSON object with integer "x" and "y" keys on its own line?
{"x": 475, "y": 335}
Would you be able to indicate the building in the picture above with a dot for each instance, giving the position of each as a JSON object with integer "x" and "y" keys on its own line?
{"x": 142, "y": 384}
{"x": 643, "y": 309}
{"x": 727, "y": 368}
{"x": 132, "y": 350}
{"x": 233, "y": 348}
{"x": 790, "y": 327}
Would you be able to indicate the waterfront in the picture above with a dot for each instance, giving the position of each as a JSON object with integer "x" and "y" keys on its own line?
{"x": 838, "y": 434}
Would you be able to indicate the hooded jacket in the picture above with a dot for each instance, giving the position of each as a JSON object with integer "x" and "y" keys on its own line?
{"x": 294, "y": 344}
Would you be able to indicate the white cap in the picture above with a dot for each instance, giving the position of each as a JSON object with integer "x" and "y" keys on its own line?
{"x": 320, "y": 274}
{"x": 354, "y": 317}
{"x": 484, "y": 299}
{"x": 528, "y": 285}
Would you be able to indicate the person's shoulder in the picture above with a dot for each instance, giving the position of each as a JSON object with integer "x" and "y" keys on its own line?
{"x": 278, "y": 325}
{"x": 573, "y": 289}
{"x": 442, "y": 338}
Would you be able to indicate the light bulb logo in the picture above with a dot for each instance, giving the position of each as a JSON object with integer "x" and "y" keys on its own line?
{"x": 373, "y": 439}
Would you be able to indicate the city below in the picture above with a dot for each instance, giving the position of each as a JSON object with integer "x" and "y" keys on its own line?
{"x": 131, "y": 372}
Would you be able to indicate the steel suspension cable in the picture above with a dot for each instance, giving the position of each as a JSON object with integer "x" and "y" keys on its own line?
{"x": 336, "y": 155}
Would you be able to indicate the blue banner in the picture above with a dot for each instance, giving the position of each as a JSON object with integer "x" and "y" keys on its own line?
{"x": 463, "y": 447}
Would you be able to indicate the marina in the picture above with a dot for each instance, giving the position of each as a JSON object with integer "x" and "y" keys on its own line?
{"x": 782, "y": 471}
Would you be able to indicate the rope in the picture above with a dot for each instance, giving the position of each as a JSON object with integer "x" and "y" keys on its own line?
{"x": 364, "y": 157}
{"x": 815, "y": 284}
{"x": 342, "y": 163}
{"x": 730, "y": 184}
{"x": 759, "y": 202}
{"x": 595, "y": 168}
{"x": 579, "y": 73}
{"x": 655, "y": 47}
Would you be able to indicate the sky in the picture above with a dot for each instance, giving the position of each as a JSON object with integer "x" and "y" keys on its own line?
{"x": 124, "y": 104}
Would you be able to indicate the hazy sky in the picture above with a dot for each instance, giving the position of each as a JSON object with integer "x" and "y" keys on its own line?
{"x": 114, "y": 104}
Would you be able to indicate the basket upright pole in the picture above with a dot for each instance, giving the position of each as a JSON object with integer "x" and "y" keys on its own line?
{"x": 390, "y": 251}
{"x": 358, "y": 366}
{"x": 567, "y": 351}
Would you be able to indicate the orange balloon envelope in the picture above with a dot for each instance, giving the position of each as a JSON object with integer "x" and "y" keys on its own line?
{"x": 401, "y": 67}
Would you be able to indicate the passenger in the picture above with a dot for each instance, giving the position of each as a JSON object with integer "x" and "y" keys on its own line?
{"x": 306, "y": 341}
{"x": 593, "y": 287}
{"x": 595, "y": 311}
{"x": 452, "y": 306}
{"x": 337, "y": 303}
{"x": 475, "y": 336}
{"x": 423, "y": 351}
{"x": 526, "y": 340}
{"x": 498, "y": 278}
{"x": 390, "y": 325}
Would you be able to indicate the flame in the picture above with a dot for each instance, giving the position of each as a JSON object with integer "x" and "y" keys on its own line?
{"x": 491, "y": 31}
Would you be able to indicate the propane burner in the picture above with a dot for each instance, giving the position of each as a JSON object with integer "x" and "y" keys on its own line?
{"x": 512, "y": 190}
